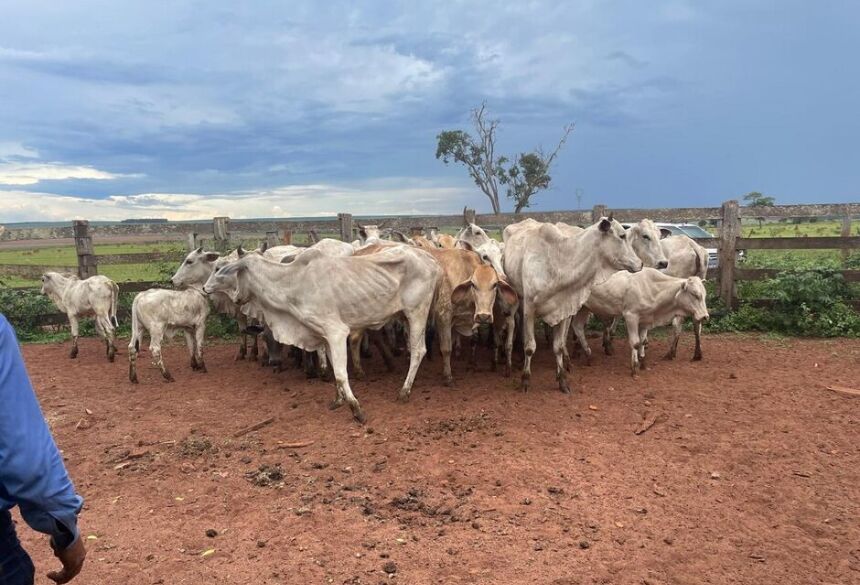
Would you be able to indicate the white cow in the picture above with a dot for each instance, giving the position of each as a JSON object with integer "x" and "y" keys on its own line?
{"x": 95, "y": 296}
{"x": 161, "y": 312}
{"x": 315, "y": 301}
{"x": 554, "y": 274}
{"x": 645, "y": 238}
{"x": 685, "y": 258}
{"x": 645, "y": 299}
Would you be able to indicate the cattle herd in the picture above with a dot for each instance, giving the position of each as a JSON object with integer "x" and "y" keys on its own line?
{"x": 330, "y": 302}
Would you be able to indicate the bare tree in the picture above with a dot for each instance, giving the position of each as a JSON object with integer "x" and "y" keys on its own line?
{"x": 525, "y": 177}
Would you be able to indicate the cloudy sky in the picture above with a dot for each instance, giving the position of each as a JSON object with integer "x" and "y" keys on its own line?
{"x": 188, "y": 109}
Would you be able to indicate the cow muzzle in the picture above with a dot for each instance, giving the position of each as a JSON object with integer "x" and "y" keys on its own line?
{"x": 483, "y": 318}
{"x": 662, "y": 264}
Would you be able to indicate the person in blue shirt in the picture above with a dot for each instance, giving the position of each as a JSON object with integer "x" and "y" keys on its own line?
{"x": 32, "y": 476}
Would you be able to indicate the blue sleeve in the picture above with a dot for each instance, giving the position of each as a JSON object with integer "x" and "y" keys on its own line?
{"x": 32, "y": 474}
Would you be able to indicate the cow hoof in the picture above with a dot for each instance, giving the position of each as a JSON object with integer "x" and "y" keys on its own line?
{"x": 524, "y": 386}
{"x": 358, "y": 374}
{"x": 508, "y": 372}
{"x": 403, "y": 396}
{"x": 239, "y": 357}
{"x": 73, "y": 354}
{"x": 168, "y": 377}
{"x": 358, "y": 415}
{"x": 335, "y": 404}
{"x": 202, "y": 368}
{"x": 133, "y": 379}
{"x": 669, "y": 356}
{"x": 697, "y": 357}
{"x": 449, "y": 381}
{"x": 110, "y": 358}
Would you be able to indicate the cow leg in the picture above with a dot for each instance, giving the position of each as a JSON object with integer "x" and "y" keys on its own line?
{"x": 511, "y": 327}
{"x": 643, "y": 344}
{"x": 677, "y": 325}
{"x": 308, "y": 364}
{"x": 110, "y": 337}
{"x": 380, "y": 342}
{"x": 633, "y": 338}
{"x": 355, "y": 343}
{"x": 156, "y": 335}
{"x": 697, "y": 330}
{"x": 579, "y": 322}
{"x": 255, "y": 349}
{"x": 529, "y": 347}
{"x": 134, "y": 347}
{"x": 199, "y": 337}
{"x": 565, "y": 324}
{"x": 324, "y": 372}
{"x": 189, "y": 343}
{"x": 365, "y": 347}
{"x": 607, "y": 336}
{"x": 475, "y": 340}
{"x": 337, "y": 351}
{"x": 73, "y": 325}
{"x": 443, "y": 328}
{"x": 559, "y": 338}
{"x": 457, "y": 345}
{"x": 417, "y": 348}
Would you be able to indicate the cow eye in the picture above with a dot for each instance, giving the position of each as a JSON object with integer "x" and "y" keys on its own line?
{"x": 623, "y": 236}
{"x": 648, "y": 238}
{"x": 189, "y": 261}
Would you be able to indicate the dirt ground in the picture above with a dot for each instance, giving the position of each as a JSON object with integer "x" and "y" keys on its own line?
{"x": 751, "y": 473}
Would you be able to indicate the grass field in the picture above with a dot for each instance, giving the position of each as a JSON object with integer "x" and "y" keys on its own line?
{"x": 65, "y": 255}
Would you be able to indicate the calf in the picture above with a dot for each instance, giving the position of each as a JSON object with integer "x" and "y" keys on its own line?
{"x": 645, "y": 299}
{"x": 96, "y": 296}
{"x": 161, "y": 312}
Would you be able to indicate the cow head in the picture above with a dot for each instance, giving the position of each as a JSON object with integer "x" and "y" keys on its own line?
{"x": 225, "y": 279}
{"x": 690, "y": 298}
{"x": 614, "y": 248}
{"x": 368, "y": 232}
{"x": 53, "y": 283}
{"x": 481, "y": 289}
{"x": 645, "y": 239}
{"x": 490, "y": 253}
{"x": 195, "y": 269}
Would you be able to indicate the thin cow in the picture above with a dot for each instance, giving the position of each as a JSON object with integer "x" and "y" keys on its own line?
{"x": 95, "y": 296}
{"x": 314, "y": 302}
{"x": 554, "y": 274}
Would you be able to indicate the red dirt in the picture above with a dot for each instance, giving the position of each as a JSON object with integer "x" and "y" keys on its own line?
{"x": 751, "y": 473}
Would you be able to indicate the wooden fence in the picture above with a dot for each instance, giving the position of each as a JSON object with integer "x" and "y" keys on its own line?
{"x": 727, "y": 218}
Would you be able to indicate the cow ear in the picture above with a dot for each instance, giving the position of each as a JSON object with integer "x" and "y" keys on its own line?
{"x": 465, "y": 245}
{"x": 211, "y": 256}
{"x": 605, "y": 224}
{"x": 684, "y": 286}
{"x": 458, "y": 295}
{"x": 199, "y": 250}
{"x": 264, "y": 247}
{"x": 664, "y": 233}
{"x": 239, "y": 251}
{"x": 509, "y": 295}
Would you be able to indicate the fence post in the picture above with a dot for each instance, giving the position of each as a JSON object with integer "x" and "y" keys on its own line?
{"x": 288, "y": 237}
{"x": 730, "y": 230}
{"x": 219, "y": 228}
{"x": 344, "y": 221}
{"x": 846, "y": 232}
{"x": 192, "y": 241}
{"x": 313, "y": 237}
{"x": 272, "y": 238}
{"x": 416, "y": 230}
{"x": 597, "y": 212}
{"x": 87, "y": 261}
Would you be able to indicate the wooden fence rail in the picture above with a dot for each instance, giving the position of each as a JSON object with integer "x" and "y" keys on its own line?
{"x": 728, "y": 243}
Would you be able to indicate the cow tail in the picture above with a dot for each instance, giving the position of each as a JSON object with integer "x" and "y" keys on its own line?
{"x": 135, "y": 326}
{"x": 113, "y": 303}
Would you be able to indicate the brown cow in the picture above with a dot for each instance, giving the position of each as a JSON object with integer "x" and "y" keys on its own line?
{"x": 465, "y": 298}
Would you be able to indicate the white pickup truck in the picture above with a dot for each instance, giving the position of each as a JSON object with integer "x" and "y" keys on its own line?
{"x": 695, "y": 232}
